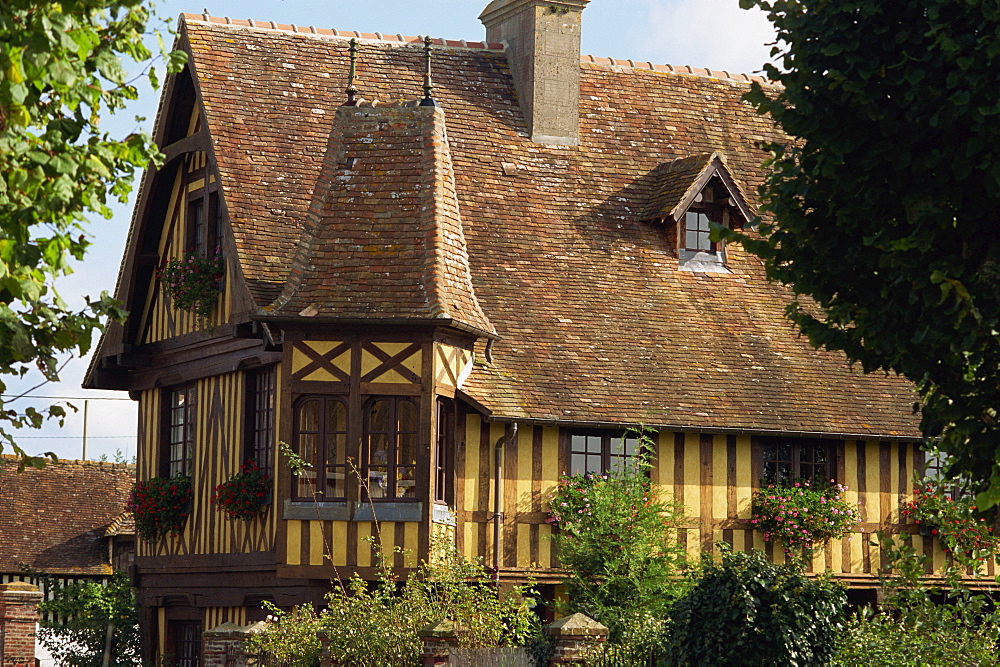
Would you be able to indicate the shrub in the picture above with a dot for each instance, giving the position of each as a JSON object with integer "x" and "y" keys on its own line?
{"x": 160, "y": 505}
{"x": 918, "y": 623}
{"x": 616, "y": 539}
{"x": 745, "y": 610}
{"x": 376, "y": 623}
{"x": 243, "y": 496}
{"x": 802, "y": 515}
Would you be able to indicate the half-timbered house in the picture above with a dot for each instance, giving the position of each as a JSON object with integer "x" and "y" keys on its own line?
{"x": 445, "y": 292}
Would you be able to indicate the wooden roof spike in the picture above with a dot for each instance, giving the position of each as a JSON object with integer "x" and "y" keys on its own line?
{"x": 428, "y": 100}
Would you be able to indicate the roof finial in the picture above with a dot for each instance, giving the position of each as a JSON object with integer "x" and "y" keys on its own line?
{"x": 352, "y": 90}
{"x": 428, "y": 100}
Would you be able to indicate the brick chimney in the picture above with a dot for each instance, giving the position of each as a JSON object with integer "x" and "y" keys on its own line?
{"x": 543, "y": 47}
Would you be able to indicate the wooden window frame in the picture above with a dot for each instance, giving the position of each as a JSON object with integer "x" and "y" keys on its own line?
{"x": 444, "y": 451}
{"x": 205, "y": 205}
{"x": 188, "y": 433}
{"x": 320, "y": 466}
{"x": 261, "y": 412}
{"x": 606, "y": 453}
{"x": 799, "y": 446}
{"x": 391, "y": 465}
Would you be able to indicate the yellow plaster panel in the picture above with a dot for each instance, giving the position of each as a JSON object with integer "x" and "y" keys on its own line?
{"x": 872, "y": 481}
{"x": 393, "y": 376}
{"x": 837, "y": 549}
{"x": 693, "y": 544}
{"x": 299, "y": 360}
{"x": 665, "y": 461}
{"x": 692, "y": 475}
{"x": 744, "y": 472}
{"x": 472, "y": 425}
{"x": 851, "y": 474}
{"x": 857, "y": 563}
{"x": 364, "y": 545}
{"x": 339, "y": 545}
{"x": 293, "y": 542}
{"x": 550, "y": 457}
{"x": 392, "y": 349}
{"x": 720, "y": 479}
{"x": 321, "y": 375}
{"x": 524, "y": 545}
{"x": 410, "y": 542}
{"x": 322, "y": 346}
{"x": 387, "y": 538}
{"x": 524, "y": 450}
{"x": 470, "y": 539}
{"x": 317, "y": 546}
{"x": 545, "y": 545}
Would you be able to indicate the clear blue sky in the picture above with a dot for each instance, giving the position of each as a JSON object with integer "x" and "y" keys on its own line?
{"x": 703, "y": 33}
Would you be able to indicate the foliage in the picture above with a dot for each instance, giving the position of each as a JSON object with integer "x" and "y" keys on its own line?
{"x": 897, "y": 167}
{"x": 745, "y": 610}
{"x": 92, "y": 613}
{"x": 802, "y": 515}
{"x": 160, "y": 506}
{"x": 60, "y": 70}
{"x": 192, "y": 283}
{"x": 376, "y": 623}
{"x": 952, "y": 520}
{"x": 244, "y": 494}
{"x": 616, "y": 540}
{"x": 919, "y": 623}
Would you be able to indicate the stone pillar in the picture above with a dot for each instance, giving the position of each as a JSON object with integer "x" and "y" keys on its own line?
{"x": 438, "y": 638}
{"x": 18, "y": 620}
{"x": 573, "y": 637}
{"x": 223, "y": 645}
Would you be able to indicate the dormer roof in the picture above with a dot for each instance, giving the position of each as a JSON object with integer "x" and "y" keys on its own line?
{"x": 678, "y": 184}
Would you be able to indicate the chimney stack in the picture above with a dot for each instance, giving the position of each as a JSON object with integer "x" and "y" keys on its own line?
{"x": 543, "y": 47}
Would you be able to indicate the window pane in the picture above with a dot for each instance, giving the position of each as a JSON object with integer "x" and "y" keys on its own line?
{"x": 336, "y": 420}
{"x": 309, "y": 416}
{"x": 378, "y": 482}
{"x": 406, "y": 485}
{"x": 407, "y": 416}
{"x": 379, "y": 416}
{"x": 578, "y": 464}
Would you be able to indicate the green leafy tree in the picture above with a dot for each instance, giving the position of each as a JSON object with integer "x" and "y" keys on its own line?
{"x": 61, "y": 69}
{"x": 885, "y": 212}
{"x": 94, "y": 619}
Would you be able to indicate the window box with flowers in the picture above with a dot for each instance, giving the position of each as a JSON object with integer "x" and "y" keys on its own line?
{"x": 246, "y": 494}
{"x": 193, "y": 282}
{"x": 160, "y": 505}
{"x": 954, "y": 521}
{"x": 803, "y": 515}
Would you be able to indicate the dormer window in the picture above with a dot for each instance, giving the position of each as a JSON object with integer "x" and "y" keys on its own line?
{"x": 689, "y": 196}
{"x": 696, "y": 232}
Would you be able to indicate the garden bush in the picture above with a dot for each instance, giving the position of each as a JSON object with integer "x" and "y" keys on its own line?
{"x": 919, "y": 623}
{"x": 617, "y": 539}
{"x": 744, "y": 610}
{"x": 376, "y": 623}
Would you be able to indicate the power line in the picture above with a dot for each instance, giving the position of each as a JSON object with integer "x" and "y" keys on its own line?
{"x": 69, "y": 437}
{"x": 68, "y": 398}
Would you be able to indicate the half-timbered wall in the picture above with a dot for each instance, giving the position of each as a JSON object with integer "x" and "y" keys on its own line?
{"x": 713, "y": 475}
{"x": 220, "y": 448}
{"x": 355, "y": 368}
{"x": 195, "y": 181}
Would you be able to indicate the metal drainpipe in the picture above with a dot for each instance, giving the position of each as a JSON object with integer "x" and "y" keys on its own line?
{"x": 498, "y": 501}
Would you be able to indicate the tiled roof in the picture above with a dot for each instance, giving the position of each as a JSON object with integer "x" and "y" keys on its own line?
{"x": 596, "y": 323}
{"x": 54, "y": 519}
{"x": 384, "y": 238}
